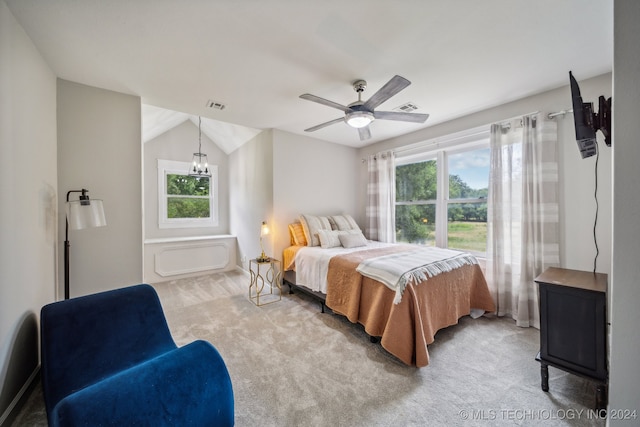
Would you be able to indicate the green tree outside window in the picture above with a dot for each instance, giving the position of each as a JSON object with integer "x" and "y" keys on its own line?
{"x": 417, "y": 201}
{"x": 188, "y": 196}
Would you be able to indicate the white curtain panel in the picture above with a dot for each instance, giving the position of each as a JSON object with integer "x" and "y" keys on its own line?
{"x": 523, "y": 215}
{"x": 381, "y": 197}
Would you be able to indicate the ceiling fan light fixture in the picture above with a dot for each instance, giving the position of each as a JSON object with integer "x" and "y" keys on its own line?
{"x": 359, "y": 119}
{"x": 359, "y": 114}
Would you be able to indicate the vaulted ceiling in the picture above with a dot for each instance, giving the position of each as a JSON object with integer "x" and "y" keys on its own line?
{"x": 256, "y": 57}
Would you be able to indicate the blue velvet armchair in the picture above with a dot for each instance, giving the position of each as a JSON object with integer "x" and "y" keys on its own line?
{"x": 108, "y": 359}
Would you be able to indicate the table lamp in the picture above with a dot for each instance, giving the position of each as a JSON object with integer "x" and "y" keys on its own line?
{"x": 264, "y": 230}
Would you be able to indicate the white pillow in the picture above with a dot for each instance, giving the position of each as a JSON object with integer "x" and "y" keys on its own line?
{"x": 352, "y": 240}
{"x": 329, "y": 238}
{"x": 343, "y": 222}
{"x": 311, "y": 224}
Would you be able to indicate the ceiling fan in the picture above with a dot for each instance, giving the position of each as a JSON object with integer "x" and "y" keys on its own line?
{"x": 360, "y": 114}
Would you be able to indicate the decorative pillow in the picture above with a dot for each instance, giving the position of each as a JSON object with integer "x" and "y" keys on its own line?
{"x": 311, "y": 224}
{"x": 343, "y": 222}
{"x": 329, "y": 238}
{"x": 297, "y": 234}
{"x": 352, "y": 240}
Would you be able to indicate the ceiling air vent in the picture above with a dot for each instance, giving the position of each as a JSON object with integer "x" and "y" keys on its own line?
{"x": 407, "y": 107}
{"x": 216, "y": 105}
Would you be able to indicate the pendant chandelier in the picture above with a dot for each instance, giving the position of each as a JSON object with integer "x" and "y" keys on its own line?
{"x": 200, "y": 164}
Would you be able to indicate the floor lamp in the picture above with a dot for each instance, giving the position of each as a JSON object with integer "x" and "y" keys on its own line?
{"x": 81, "y": 213}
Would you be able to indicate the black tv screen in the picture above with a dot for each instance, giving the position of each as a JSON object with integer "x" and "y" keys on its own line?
{"x": 583, "y": 118}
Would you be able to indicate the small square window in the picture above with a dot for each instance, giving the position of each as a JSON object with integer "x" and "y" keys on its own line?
{"x": 186, "y": 201}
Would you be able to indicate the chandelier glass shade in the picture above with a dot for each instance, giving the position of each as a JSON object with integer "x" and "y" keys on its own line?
{"x": 200, "y": 163}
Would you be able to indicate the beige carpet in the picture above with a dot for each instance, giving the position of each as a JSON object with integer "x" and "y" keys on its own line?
{"x": 291, "y": 365}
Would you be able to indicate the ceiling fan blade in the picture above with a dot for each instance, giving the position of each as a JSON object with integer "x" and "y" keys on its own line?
{"x": 365, "y": 133}
{"x": 322, "y": 125}
{"x": 326, "y": 102}
{"x": 401, "y": 116}
{"x": 393, "y": 86}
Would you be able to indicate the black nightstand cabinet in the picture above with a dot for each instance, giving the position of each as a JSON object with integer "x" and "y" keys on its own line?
{"x": 573, "y": 326}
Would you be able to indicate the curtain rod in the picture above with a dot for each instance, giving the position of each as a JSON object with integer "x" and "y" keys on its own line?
{"x": 559, "y": 113}
{"x": 507, "y": 122}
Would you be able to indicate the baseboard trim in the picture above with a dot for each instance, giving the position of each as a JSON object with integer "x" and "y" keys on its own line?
{"x": 243, "y": 271}
{"x": 18, "y": 402}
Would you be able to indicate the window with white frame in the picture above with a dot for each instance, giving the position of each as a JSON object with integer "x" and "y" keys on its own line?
{"x": 186, "y": 201}
{"x": 441, "y": 193}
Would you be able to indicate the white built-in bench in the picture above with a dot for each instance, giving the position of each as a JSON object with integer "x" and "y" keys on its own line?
{"x": 175, "y": 257}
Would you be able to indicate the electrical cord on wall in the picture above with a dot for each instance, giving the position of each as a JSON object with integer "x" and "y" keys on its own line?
{"x": 595, "y": 221}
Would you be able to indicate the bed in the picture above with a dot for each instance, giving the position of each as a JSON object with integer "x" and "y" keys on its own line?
{"x": 330, "y": 259}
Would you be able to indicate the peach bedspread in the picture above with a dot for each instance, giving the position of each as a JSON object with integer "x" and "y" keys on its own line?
{"x": 408, "y": 327}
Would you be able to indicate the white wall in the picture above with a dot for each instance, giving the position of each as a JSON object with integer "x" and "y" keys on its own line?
{"x": 251, "y": 195}
{"x": 179, "y": 144}
{"x": 28, "y": 206}
{"x": 99, "y": 150}
{"x": 624, "y": 384}
{"x": 173, "y": 253}
{"x": 276, "y": 177}
{"x": 311, "y": 177}
{"x": 577, "y": 176}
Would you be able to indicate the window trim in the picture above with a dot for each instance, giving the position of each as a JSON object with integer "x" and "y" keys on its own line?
{"x": 439, "y": 150}
{"x": 181, "y": 168}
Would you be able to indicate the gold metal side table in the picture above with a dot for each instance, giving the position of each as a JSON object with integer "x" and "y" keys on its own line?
{"x": 265, "y": 273}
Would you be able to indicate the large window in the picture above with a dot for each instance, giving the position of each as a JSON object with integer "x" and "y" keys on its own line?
{"x": 416, "y": 200}
{"x": 183, "y": 200}
{"x": 441, "y": 196}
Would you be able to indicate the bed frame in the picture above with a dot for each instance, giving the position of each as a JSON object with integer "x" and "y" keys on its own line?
{"x": 289, "y": 279}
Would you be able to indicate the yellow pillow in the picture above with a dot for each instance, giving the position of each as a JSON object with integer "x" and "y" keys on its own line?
{"x": 297, "y": 234}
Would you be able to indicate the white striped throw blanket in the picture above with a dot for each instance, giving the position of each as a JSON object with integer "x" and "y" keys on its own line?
{"x": 397, "y": 270}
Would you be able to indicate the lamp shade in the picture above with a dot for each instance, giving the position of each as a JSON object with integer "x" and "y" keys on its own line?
{"x": 264, "y": 229}
{"x": 85, "y": 214}
{"x": 199, "y": 165}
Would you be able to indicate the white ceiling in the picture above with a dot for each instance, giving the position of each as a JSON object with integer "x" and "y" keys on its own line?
{"x": 258, "y": 56}
{"x": 228, "y": 136}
